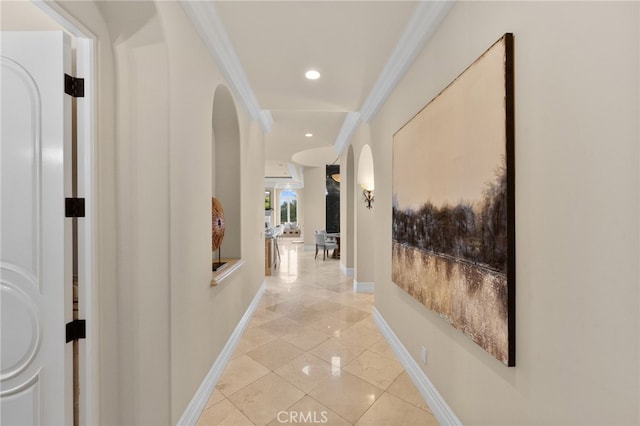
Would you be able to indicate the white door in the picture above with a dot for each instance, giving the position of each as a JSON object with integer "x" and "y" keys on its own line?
{"x": 35, "y": 251}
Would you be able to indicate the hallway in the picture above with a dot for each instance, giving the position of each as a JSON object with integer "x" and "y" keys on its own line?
{"x": 312, "y": 354}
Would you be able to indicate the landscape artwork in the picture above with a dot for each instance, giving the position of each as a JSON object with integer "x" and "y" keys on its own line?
{"x": 454, "y": 203}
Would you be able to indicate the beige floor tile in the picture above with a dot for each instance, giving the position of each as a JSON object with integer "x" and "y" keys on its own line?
{"x": 330, "y": 325}
{"x": 236, "y": 354}
{"x": 307, "y": 372}
{"x": 326, "y": 306}
{"x": 239, "y": 373}
{"x": 351, "y": 298}
{"x": 285, "y": 307}
{"x": 375, "y": 369}
{"x": 287, "y": 290}
{"x": 279, "y": 326}
{"x": 308, "y": 305}
{"x": 261, "y": 316}
{"x": 336, "y": 351}
{"x": 391, "y": 410}
{"x": 351, "y": 315}
{"x": 361, "y": 335}
{"x": 305, "y": 338}
{"x": 275, "y": 353}
{"x": 404, "y": 388}
{"x": 270, "y": 298}
{"x": 356, "y": 298}
{"x": 383, "y": 348}
{"x": 363, "y": 325}
{"x": 304, "y": 300}
{"x": 305, "y": 316}
{"x": 263, "y": 399}
{"x": 253, "y": 338}
{"x": 363, "y": 306}
{"x": 369, "y": 323}
{"x": 216, "y": 396}
{"x": 323, "y": 293}
{"x": 333, "y": 291}
{"x": 308, "y": 411}
{"x": 348, "y": 396}
{"x": 223, "y": 413}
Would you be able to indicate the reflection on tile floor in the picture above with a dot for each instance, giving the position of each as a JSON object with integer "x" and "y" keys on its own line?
{"x": 313, "y": 355}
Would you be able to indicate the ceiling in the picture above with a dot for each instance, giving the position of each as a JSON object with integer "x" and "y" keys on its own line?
{"x": 361, "y": 49}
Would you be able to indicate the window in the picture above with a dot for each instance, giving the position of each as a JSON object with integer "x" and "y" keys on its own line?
{"x": 288, "y": 206}
{"x": 267, "y": 200}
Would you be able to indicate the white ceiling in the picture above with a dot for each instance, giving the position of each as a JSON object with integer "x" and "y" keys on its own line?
{"x": 361, "y": 48}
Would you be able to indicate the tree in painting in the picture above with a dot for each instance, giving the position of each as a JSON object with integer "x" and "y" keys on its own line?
{"x": 478, "y": 235}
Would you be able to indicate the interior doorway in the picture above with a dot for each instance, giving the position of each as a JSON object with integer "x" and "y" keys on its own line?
{"x": 81, "y": 183}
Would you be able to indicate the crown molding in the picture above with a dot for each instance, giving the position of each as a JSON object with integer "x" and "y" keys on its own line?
{"x": 266, "y": 120}
{"x": 423, "y": 23}
{"x": 349, "y": 126}
{"x": 204, "y": 17}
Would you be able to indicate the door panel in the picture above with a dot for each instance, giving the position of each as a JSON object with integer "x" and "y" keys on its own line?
{"x": 35, "y": 255}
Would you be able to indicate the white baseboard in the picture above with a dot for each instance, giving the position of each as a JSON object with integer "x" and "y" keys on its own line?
{"x": 348, "y": 272}
{"x": 432, "y": 397}
{"x": 364, "y": 287}
{"x": 199, "y": 401}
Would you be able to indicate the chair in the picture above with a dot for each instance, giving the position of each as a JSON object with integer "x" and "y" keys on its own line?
{"x": 328, "y": 238}
{"x": 321, "y": 241}
{"x": 277, "y": 233}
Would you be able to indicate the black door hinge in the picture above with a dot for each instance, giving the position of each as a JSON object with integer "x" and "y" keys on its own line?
{"x": 76, "y": 329}
{"x": 74, "y": 207}
{"x": 74, "y": 86}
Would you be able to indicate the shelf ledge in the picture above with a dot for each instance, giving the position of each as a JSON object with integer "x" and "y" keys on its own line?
{"x": 227, "y": 270}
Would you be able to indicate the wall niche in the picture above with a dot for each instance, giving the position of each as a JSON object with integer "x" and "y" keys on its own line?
{"x": 225, "y": 164}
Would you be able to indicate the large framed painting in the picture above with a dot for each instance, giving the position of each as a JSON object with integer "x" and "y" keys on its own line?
{"x": 454, "y": 203}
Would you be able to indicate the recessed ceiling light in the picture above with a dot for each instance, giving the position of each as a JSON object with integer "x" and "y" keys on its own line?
{"x": 308, "y": 135}
{"x": 312, "y": 75}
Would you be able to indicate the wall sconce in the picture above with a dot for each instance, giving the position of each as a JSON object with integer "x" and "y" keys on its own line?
{"x": 368, "y": 196}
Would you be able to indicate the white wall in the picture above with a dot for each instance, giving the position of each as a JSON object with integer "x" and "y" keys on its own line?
{"x": 25, "y": 16}
{"x": 348, "y": 199}
{"x": 365, "y": 219}
{"x": 301, "y": 209}
{"x": 314, "y": 206}
{"x": 577, "y": 189}
{"x": 142, "y": 185}
{"x": 203, "y": 318}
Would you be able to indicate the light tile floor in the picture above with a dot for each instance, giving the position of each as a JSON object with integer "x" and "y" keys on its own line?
{"x": 313, "y": 355}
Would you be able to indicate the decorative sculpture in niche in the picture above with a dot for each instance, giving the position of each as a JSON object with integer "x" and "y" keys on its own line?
{"x": 217, "y": 230}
